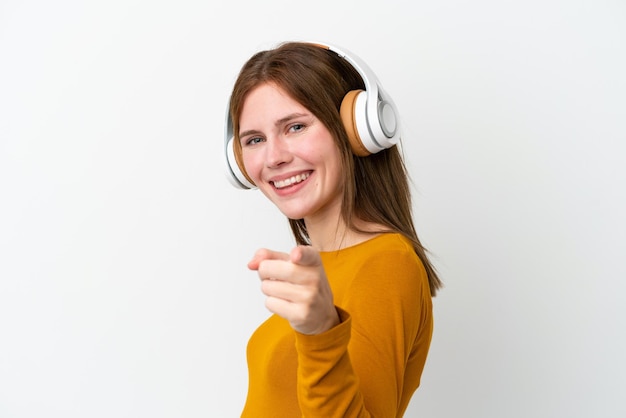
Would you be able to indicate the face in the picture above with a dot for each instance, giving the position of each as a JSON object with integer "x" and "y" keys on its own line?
{"x": 290, "y": 155}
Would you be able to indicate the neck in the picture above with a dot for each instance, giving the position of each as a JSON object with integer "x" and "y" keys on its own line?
{"x": 327, "y": 235}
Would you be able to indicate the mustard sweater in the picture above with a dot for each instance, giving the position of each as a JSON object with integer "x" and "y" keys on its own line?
{"x": 367, "y": 366}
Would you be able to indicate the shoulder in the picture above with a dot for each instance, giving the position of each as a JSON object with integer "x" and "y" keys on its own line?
{"x": 389, "y": 242}
{"x": 387, "y": 250}
{"x": 391, "y": 253}
{"x": 384, "y": 259}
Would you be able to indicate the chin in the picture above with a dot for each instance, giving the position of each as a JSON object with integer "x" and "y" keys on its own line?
{"x": 293, "y": 211}
{"x": 291, "y": 214}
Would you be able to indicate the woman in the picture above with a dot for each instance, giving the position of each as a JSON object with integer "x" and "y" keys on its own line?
{"x": 352, "y": 311}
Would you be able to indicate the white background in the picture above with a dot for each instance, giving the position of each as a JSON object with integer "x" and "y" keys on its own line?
{"x": 123, "y": 286}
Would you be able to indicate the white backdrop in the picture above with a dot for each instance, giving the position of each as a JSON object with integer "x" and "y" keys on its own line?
{"x": 123, "y": 286}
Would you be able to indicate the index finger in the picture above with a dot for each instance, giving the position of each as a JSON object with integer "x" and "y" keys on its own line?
{"x": 266, "y": 254}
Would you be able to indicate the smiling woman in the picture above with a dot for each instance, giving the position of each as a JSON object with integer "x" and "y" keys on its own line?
{"x": 311, "y": 127}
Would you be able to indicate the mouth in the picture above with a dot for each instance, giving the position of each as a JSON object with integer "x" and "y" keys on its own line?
{"x": 299, "y": 178}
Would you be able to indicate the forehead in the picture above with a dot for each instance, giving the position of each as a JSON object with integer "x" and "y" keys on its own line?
{"x": 268, "y": 102}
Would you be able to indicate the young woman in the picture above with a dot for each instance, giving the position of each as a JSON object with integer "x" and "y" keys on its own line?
{"x": 352, "y": 312}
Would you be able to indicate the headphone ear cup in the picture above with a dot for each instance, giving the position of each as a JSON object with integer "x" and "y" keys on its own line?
{"x": 236, "y": 175}
{"x": 348, "y": 113}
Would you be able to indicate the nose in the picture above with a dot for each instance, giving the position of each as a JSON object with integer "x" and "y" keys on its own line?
{"x": 277, "y": 152}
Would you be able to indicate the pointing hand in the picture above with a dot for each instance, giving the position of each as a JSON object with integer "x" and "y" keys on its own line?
{"x": 296, "y": 288}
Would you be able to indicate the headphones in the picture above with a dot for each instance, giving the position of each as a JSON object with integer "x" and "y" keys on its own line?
{"x": 369, "y": 116}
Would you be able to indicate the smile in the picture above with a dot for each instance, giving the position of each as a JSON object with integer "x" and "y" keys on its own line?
{"x": 291, "y": 180}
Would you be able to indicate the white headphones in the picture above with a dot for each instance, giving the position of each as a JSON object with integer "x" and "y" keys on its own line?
{"x": 369, "y": 116}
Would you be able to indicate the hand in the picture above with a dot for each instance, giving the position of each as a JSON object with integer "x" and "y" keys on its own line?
{"x": 296, "y": 288}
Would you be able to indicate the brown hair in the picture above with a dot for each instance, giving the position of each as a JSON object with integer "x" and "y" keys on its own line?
{"x": 376, "y": 187}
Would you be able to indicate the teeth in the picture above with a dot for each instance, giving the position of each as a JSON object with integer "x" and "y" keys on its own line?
{"x": 291, "y": 180}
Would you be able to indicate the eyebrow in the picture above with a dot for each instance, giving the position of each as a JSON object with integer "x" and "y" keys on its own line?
{"x": 279, "y": 122}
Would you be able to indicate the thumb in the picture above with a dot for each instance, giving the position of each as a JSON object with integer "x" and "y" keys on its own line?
{"x": 304, "y": 255}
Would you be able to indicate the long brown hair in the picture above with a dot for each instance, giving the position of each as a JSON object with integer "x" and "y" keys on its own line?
{"x": 376, "y": 187}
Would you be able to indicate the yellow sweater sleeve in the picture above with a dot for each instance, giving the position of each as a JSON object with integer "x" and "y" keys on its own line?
{"x": 327, "y": 385}
{"x": 370, "y": 364}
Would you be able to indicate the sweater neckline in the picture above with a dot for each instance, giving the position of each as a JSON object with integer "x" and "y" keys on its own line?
{"x": 362, "y": 243}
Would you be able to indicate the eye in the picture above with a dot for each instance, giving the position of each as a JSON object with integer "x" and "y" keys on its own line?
{"x": 297, "y": 127}
{"x": 253, "y": 140}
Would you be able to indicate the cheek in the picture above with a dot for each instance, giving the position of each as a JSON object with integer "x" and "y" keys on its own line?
{"x": 252, "y": 164}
